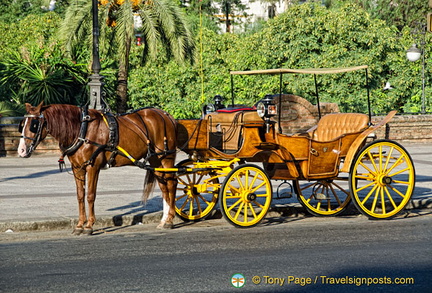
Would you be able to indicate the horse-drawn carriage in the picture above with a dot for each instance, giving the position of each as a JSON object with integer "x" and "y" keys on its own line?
{"x": 330, "y": 165}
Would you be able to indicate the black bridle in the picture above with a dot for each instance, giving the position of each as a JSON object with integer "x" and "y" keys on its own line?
{"x": 35, "y": 127}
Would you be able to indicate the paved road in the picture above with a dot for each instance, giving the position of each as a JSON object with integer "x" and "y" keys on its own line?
{"x": 35, "y": 195}
{"x": 307, "y": 254}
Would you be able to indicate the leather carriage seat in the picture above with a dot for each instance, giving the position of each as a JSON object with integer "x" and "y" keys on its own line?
{"x": 334, "y": 125}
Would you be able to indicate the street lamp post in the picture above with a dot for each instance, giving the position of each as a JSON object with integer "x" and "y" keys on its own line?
{"x": 95, "y": 83}
{"x": 413, "y": 54}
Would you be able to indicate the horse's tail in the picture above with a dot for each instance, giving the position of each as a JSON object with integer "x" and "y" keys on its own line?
{"x": 149, "y": 184}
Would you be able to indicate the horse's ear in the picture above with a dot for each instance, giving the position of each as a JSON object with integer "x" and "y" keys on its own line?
{"x": 39, "y": 106}
{"x": 28, "y": 107}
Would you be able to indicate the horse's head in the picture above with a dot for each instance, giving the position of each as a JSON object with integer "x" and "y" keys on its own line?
{"x": 33, "y": 130}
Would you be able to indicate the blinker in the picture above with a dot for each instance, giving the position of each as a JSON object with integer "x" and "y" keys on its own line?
{"x": 34, "y": 126}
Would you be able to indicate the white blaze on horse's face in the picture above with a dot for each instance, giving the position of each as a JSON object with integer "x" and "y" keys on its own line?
{"x": 22, "y": 147}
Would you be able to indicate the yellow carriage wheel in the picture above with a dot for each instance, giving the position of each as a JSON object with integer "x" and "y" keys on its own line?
{"x": 245, "y": 196}
{"x": 197, "y": 193}
{"x": 325, "y": 197}
{"x": 382, "y": 179}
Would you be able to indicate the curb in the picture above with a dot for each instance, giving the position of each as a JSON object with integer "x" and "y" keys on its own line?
{"x": 60, "y": 224}
{"x": 130, "y": 220}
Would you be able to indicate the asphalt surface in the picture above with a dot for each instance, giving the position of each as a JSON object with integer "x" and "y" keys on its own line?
{"x": 35, "y": 195}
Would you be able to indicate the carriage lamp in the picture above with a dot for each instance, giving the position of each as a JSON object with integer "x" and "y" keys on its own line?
{"x": 217, "y": 104}
{"x": 413, "y": 53}
{"x": 266, "y": 108}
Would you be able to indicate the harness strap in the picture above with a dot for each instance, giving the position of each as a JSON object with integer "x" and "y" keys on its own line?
{"x": 112, "y": 145}
{"x": 112, "y": 124}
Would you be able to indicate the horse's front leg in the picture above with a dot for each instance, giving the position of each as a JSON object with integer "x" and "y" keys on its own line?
{"x": 80, "y": 175}
{"x": 92, "y": 179}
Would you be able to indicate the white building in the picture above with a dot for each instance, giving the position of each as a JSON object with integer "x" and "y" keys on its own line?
{"x": 255, "y": 11}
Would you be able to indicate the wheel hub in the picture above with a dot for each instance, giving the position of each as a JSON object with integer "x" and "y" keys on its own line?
{"x": 386, "y": 180}
{"x": 250, "y": 197}
{"x": 383, "y": 180}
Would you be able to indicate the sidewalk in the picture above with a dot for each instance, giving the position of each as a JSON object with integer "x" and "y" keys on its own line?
{"x": 34, "y": 195}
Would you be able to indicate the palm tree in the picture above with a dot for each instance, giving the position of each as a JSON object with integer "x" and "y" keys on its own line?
{"x": 162, "y": 24}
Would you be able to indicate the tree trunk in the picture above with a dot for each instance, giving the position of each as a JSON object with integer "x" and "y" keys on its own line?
{"x": 122, "y": 79}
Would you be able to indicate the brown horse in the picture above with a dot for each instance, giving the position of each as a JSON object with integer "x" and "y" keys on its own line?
{"x": 92, "y": 139}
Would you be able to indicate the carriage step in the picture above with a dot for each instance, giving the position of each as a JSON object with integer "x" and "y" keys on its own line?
{"x": 321, "y": 196}
{"x": 284, "y": 195}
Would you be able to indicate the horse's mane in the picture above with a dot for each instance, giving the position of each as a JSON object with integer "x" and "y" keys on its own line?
{"x": 63, "y": 122}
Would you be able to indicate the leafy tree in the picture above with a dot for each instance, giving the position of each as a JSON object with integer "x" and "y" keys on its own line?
{"x": 30, "y": 30}
{"x": 41, "y": 74}
{"x": 201, "y": 14}
{"x": 306, "y": 36}
{"x": 162, "y": 24}
{"x": 400, "y": 13}
{"x": 13, "y": 11}
{"x": 32, "y": 66}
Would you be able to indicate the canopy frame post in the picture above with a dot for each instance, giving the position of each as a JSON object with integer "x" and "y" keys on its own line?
{"x": 317, "y": 97}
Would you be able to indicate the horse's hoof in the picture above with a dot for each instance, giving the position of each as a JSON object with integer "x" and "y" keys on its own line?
{"x": 88, "y": 231}
{"x": 77, "y": 231}
{"x": 165, "y": 225}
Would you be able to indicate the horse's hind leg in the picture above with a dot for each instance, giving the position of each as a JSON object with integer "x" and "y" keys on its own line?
{"x": 168, "y": 186}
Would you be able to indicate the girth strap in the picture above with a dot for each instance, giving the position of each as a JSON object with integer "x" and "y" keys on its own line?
{"x": 111, "y": 122}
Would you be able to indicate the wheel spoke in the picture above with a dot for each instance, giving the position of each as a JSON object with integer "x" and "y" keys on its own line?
{"x": 369, "y": 194}
{"x": 389, "y": 156}
{"x": 383, "y": 202}
{"x": 240, "y": 182}
{"x": 198, "y": 204}
{"x": 234, "y": 205}
{"x": 366, "y": 177}
{"x": 335, "y": 195}
{"x": 397, "y": 191}
{"x": 245, "y": 215}
{"x": 239, "y": 210}
{"x": 366, "y": 186}
{"x": 184, "y": 204}
{"x": 191, "y": 208}
{"x": 372, "y": 160}
{"x": 254, "y": 215}
{"x": 398, "y": 172}
{"x": 398, "y": 162}
{"x": 204, "y": 199}
{"x": 390, "y": 198}
{"x": 181, "y": 181}
{"x": 375, "y": 198}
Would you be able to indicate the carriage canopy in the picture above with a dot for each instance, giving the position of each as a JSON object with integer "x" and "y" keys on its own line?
{"x": 302, "y": 71}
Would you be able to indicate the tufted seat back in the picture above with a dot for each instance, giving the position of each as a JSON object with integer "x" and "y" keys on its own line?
{"x": 332, "y": 126}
